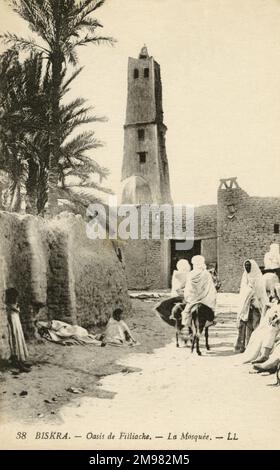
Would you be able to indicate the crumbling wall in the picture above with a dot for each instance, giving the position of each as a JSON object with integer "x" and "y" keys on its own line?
{"x": 24, "y": 249}
{"x": 60, "y": 302}
{"x": 87, "y": 278}
{"x": 53, "y": 263}
{"x": 4, "y": 340}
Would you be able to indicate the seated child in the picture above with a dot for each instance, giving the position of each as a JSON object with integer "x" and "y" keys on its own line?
{"x": 117, "y": 332}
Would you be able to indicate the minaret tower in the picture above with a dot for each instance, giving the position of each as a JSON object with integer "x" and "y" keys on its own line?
{"x": 145, "y": 173}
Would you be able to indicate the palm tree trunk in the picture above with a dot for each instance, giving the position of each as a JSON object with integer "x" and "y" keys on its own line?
{"x": 31, "y": 186}
{"x": 15, "y": 204}
{"x": 1, "y": 198}
{"x": 42, "y": 191}
{"x": 55, "y": 138}
{"x": 31, "y": 203}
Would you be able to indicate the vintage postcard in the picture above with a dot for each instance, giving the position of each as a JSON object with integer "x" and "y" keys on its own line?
{"x": 139, "y": 224}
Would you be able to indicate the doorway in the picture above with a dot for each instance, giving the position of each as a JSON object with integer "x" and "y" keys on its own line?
{"x": 176, "y": 254}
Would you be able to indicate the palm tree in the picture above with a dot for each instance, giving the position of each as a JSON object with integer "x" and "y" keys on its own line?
{"x": 17, "y": 88}
{"x": 24, "y": 101}
{"x": 63, "y": 26}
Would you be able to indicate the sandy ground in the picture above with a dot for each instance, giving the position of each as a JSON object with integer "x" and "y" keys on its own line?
{"x": 57, "y": 368}
{"x": 177, "y": 399}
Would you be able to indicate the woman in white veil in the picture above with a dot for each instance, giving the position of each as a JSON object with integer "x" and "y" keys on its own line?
{"x": 253, "y": 301}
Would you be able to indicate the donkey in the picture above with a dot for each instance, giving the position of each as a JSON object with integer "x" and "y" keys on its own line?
{"x": 202, "y": 318}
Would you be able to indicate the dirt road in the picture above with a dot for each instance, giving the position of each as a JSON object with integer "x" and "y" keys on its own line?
{"x": 174, "y": 399}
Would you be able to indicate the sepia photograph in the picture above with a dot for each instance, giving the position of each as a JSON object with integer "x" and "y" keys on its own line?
{"x": 140, "y": 226}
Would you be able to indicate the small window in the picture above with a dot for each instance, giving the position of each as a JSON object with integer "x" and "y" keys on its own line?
{"x": 136, "y": 73}
{"x": 276, "y": 228}
{"x": 142, "y": 157}
{"x": 141, "y": 134}
{"x": 146, "y": 73}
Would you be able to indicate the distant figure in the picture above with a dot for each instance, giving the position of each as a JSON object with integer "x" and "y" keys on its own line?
{"x": 117, "y": 332}
{"x": 252, "y": 303}
{"x": 19, "y": 352}
{"x": 179, "y": 278}
{"x": 217, "y": 282}
{"x": 272, "y": 260}
{"x": 176, "y": 299}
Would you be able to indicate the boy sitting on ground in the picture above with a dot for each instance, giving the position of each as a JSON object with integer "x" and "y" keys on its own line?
{"x": 117, "y": 332}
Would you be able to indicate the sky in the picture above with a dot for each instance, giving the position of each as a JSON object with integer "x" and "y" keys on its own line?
{"x": 220, "y": 67}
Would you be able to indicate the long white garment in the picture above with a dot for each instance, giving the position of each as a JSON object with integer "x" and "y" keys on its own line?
{"x": 16, "y": 336}
{"x": 252, "y": 290}
{"x": 273, "y": 360}
{"x": 272, "y": 257}
{"x": 200, "y": 287}
{"x": 265, "y": 335}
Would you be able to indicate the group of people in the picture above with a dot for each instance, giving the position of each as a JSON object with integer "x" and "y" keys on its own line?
{"x": 191, "y": 287}
{"x": 258, "y": 316}
{"x": 116, "y": 333}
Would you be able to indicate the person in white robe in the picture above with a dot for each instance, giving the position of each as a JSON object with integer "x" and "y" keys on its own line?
{"x": 199, "y": 289}
{"x": 265, "y": 338}
{"x": 272, "y": 258}
{"x": 19, "y": 351}
{"x": 253, "y": 301}
{"x": 179, "y": 277}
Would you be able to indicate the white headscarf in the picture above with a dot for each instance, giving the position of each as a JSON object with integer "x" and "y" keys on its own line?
{"x": 252, "y": 289}
{"x": 272, "y": 257}
{"x": 183, "y": 266}
{"x": 198, "y": 263}
{"x": 179, "y": 277}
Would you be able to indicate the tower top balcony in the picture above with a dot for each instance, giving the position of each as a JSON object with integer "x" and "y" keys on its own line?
{"x": 144, "y": 53}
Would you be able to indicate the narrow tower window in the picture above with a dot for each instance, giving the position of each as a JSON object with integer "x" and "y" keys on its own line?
{"x": 142, "y": 157}
{"x": 136, "y": 73}
{"x": 276, "y": 228}
{"x": 146, "y": 73}
{"x": 141, "y": 134}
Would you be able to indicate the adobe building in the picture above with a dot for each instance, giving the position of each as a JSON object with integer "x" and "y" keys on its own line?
{"x": 236, "y": 228}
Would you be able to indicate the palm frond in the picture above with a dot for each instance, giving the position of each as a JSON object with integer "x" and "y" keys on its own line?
{"x": 87, "y": 7}
{"x": 21, "y": 44}
{"x": 38, "y": 16}
{"x": 69, "y": 80}
{"x": 93, "y": 40}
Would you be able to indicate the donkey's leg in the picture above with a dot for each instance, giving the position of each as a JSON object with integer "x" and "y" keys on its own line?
{"x": 193, "y": 341}
{"x": 206, "y": 338}
{"x": 197, "y": 344}
{"x": 177, "y": 339}
{"x": 278, "y": 375}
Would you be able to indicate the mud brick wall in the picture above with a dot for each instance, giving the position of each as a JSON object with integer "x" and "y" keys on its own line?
{"x": 4, "y": 339}
{"x": 59, "y": 297}
{"x": 209, "y": 251}
{"x": 86, "y": 279}
{"x": 247, "y": 234}
{"x": 54, "y": 263}
{"x": 97, "y": 275}
{"x": 205, "y": 221}
{"x": 24, "y": 250}
{"x": 143, "y": 261}
{"x": 31, "y": 259}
